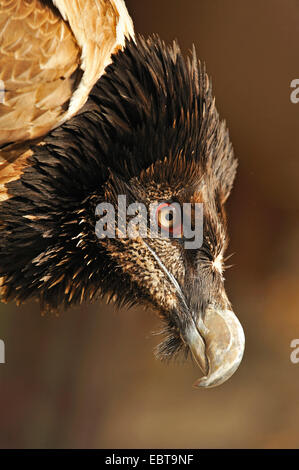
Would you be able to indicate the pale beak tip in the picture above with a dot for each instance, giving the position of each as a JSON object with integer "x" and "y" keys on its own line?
{"x": 221, "y": 353}
{"x": 200, "y": 384}
{"x": 205, "y": 382}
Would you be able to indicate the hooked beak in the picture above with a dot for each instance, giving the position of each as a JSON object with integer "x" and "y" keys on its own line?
{"x": 217, "y": 344}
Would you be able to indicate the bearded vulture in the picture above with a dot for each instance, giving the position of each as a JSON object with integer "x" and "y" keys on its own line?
{"x": 88, "y": 112}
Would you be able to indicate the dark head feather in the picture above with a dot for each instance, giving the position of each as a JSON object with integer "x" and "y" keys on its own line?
{"x": 150, "y": 120}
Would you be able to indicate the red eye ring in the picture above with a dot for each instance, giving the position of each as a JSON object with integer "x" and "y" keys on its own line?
{"x": 172, "y": 225}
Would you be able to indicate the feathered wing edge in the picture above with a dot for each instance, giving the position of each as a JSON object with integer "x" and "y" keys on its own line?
{"x": 99, "y": 28}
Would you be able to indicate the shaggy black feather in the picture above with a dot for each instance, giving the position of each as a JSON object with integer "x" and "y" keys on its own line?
{"x": 150, "y": 104}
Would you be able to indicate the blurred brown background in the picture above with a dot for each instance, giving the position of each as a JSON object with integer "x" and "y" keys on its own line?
{"x": 88, "y": 378}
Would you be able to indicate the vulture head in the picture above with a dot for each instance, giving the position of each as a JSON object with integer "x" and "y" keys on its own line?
{"x": 150, "y": 132}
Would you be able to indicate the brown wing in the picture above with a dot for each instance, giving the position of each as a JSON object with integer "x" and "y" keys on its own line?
{"x": 51, "y": 55}
{"x": 100, "y": 28}
{"x": 39, "y": 65}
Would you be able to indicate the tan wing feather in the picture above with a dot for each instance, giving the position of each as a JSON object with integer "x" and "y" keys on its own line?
{"x": 100, "y": 27}
{"x": 39, "y": 61}
{"x": 50, "y": 58}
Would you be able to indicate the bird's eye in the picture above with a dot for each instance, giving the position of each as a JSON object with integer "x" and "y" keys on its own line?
{"x": 168, "y": 216}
